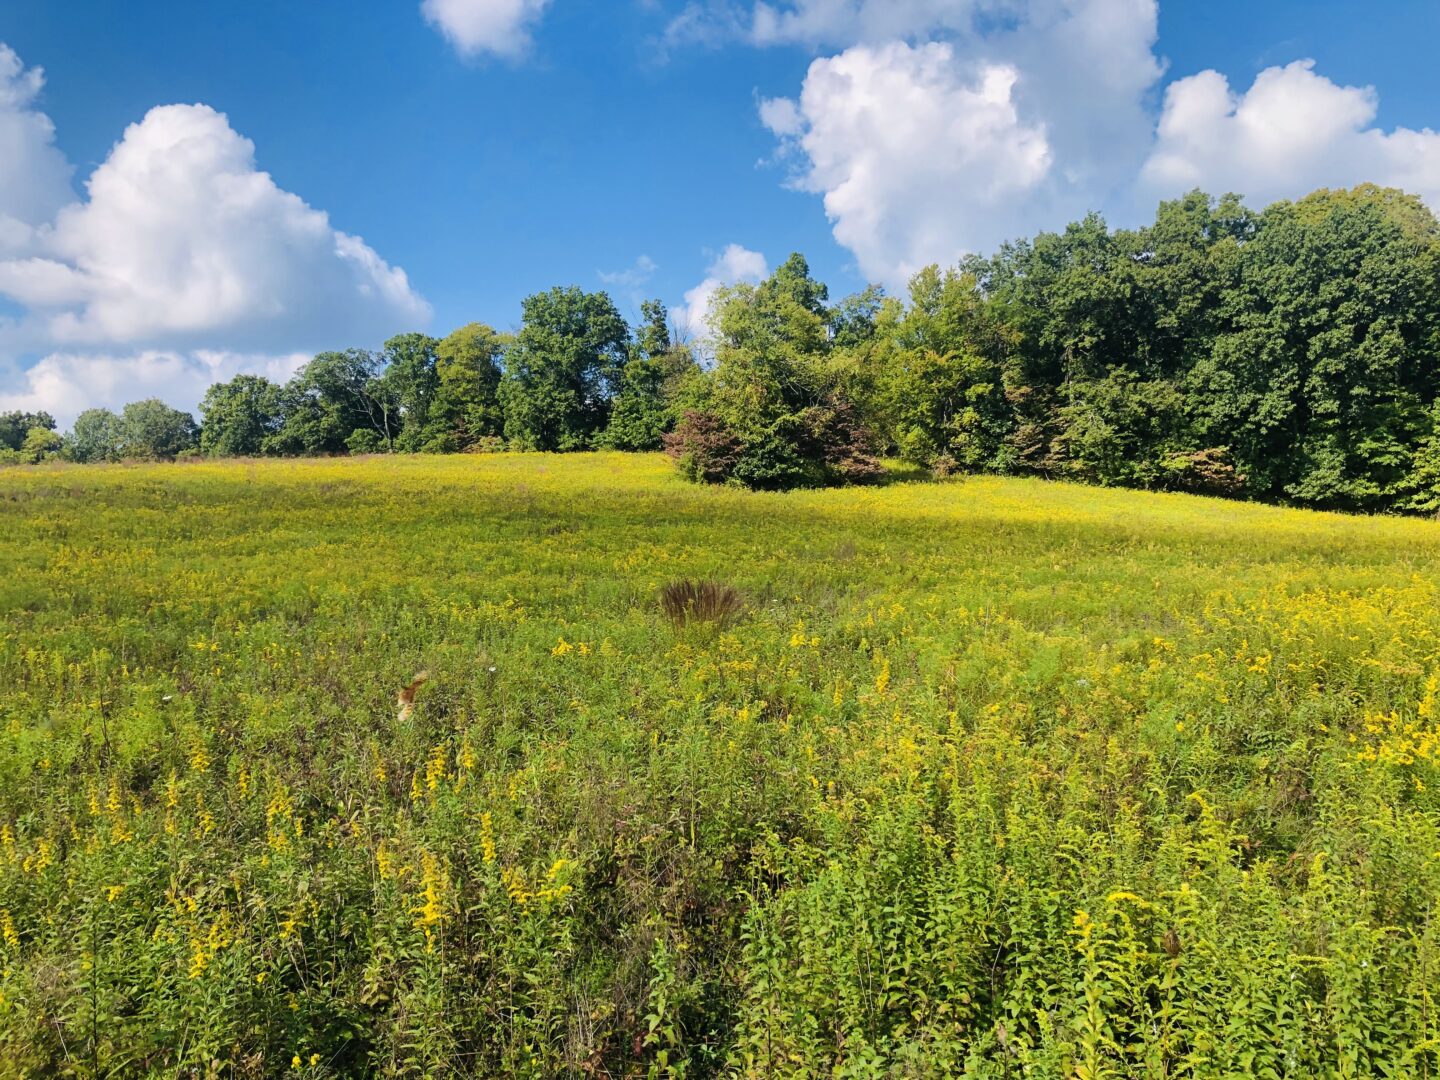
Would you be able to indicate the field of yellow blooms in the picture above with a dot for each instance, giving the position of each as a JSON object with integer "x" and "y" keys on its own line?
{"x": 991, "y": 778}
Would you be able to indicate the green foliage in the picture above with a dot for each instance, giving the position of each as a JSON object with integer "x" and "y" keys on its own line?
{"x": 940, "y": 387}
{"x": 40, "y": 444}
{"x": 640, "y": 416}
{"x": 152, "y": 430}
{"x": 15, "y": 427}
{"x": 1301, "y": 339}
{"x": 410, "y": 379}
{"x": 771, "y": 416}
{"x": 563, "y": 370}
{"x": 1120, "y": 429}
{"x": 1423, "y": 481}
{"x": 770, "y": 349}
{"x": 653, "y": 338}
{"x": 239, "y": 418}
{"x": 332, "y": 397}
{"x": 1323, "y": 378}
{"x": 96, "y": 436}
{"x": 645, "y": 408}
{"x": 466, "y": 408}
{"x": 365, "y": 441}
{"x": 1291, "y": 355}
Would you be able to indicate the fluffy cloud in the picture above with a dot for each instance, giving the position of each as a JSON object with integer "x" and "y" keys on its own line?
{"x": 1293, "y": 131}
{"x": 34, "y": 175}
{"x": 916, "y": 162}
{"x": 734, "y": 264}
{"x": 501, "y": 27}
{"x": 183, "y": 264}
{"x": 1025, "y": 112}
{"x": 183, "y": 242}
{"x": 66, "y": 384}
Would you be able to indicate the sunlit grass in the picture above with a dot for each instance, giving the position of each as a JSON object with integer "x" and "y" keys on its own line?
{"x": 993, "y": 775}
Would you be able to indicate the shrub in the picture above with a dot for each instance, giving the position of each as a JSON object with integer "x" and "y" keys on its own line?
{"x": 41, "y": 443}
{"x": 365, "y": 441}
{"x": 817, "y": 446}
{"x": 486, "y": 444}
{"x": 1203, "y": 472}
{"x": 97, "y": 435}
{"x": 707, "y": 451}
{"x": 943, "y": 465}
{"x": 846, "y": 449}
{"x": 777, "y": 460}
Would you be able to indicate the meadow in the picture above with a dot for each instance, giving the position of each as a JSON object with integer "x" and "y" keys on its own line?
{"x": 989, "y": 778}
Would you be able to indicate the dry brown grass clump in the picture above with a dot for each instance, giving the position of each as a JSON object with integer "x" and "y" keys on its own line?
{"x": 700, "y": 602}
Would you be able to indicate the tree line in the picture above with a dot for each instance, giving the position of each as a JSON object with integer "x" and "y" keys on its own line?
{"x": 1290, "y": 354}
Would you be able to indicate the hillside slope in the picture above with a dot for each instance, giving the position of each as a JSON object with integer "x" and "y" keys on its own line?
{"x": 992, "y": 775}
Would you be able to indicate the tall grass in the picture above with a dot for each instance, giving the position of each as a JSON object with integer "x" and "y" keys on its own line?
{"x": 994, "y": 779}
{"x": 700, "y": 602}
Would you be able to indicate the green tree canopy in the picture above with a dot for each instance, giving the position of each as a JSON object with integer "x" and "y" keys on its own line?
{"x": 152, "y": 429}
{"x": 330, "y": 398}
{"x": 659, "y": 377}
{"x": 409, "y": 379}
{"x": 466, "y": 408}
{"x": 40, "y": 443}
{"x": 97, "y": 435}
{"x": 240, "y": 417}
{"x": 1325, "y": 372}
{"x": 773, "y": 414}
{"x": 563, "y": 369}
{"x": 15, "y": 426}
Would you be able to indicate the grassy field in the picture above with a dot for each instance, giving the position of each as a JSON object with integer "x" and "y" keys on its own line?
{"x": 993, "y": 778}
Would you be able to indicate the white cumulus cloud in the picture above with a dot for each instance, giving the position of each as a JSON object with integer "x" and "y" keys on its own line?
{"x": 916, "y": 161}
{"x": 500, "y": 27}
{"x": 1293, "y": 131}
{"x": 182, "y": 241}
{"x": 931, "y": 128}
{"x": 948, "y": 126}
{"x": 732, "y": 266}
{"x": 183, "y": 264}
{"x": 34, "y": 174}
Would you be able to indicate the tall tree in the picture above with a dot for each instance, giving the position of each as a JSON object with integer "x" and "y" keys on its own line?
{"x": 41, "y": 443}
{"x": 466, "y": 407}
{"x": 240, "y": 417}
{"x": 15, "y": 426}
{"x": 771, "y": 342}
{"x": 332, "y": 397}
{"x": 653, "y": 337}
{"x": 1325, "y": 374}
{"x": 410, "y": 379}
{"x": 939, "y": 381}
{"x": 151, "y": 429}
{"x": 96, "y": 435}
{"x": 563, "y": 370}
{"x": 773, "y": 414}
{"x": 659, "y": 373}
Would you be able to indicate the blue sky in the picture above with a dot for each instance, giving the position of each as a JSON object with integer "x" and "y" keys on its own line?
{"x": 630, "y": 145}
